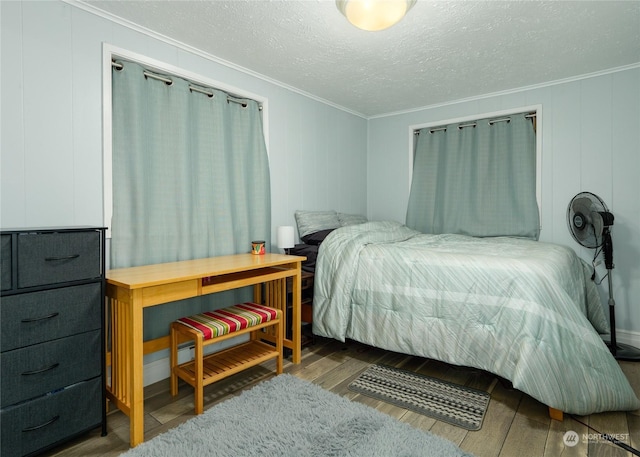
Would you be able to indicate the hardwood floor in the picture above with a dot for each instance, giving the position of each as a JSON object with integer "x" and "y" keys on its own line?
{"x": 515, "y": 425}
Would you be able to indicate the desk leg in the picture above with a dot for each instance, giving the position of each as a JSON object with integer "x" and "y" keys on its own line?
{"x": 275, "y": 295}
{"x": 136, "y": 370}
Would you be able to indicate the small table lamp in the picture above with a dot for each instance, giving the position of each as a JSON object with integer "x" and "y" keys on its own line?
{"x": 285, "y": 238}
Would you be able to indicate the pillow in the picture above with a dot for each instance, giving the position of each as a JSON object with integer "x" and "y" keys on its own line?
{"x": 316, "y": 238}
{"x": 351, "y": 219}
{"x": 313, "y": 221}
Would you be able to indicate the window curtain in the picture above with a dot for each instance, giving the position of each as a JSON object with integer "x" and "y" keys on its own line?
{"x": 190, "y": 176}
{"x": 476, "y": 179}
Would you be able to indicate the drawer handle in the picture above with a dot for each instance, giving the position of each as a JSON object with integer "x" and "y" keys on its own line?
{"x": 37, "y": 427}
{"x": 63, "y": 257}
{"x": 36, "y": 319}
{"x": 41, "y": 370}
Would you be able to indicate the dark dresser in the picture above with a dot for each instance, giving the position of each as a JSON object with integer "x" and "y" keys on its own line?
{"x": 52, "y": 378}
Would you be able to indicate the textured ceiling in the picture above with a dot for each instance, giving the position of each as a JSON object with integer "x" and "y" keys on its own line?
{"x": 440, "y": 52}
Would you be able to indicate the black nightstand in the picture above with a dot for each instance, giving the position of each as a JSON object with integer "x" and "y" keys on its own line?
{"x": 306, "y": 292}
{"x": 306, "y": 305}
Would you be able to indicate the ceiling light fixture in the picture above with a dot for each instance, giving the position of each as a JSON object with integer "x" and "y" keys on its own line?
{"x": 374, "y": 15}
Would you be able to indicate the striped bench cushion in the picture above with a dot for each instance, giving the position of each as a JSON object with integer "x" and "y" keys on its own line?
{"x": 228, "y": 320}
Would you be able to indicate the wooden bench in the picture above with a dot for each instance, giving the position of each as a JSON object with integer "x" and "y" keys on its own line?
{"x": 215, "y": 326}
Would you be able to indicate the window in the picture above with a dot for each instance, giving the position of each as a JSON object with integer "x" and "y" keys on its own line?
{"x": 477, "y": 177}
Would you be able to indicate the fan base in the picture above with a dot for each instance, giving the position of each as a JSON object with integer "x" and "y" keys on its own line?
{"x": 625, "y": 352}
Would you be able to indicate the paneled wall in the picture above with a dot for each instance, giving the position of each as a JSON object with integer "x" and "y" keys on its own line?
{"x": 51, "y": 138}
{"x": 590, "y": 142}
{"x": 51, "y": 142}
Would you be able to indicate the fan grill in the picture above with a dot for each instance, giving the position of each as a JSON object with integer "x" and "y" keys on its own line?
{"x": 587, "y": 215}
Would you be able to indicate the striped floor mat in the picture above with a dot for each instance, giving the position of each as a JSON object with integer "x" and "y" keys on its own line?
{"x": 451, "y": 403}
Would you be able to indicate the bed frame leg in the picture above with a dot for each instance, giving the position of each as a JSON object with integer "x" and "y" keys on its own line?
{"x": 556, "y": 414}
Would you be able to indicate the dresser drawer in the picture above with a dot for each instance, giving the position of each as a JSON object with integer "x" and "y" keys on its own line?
{"x": 48, "y": 420}
{"x": 35, "y": 317}
{"x": 45, "y": 367}
{"x": 50, "y": 258}
{"x": 5, "y": 262}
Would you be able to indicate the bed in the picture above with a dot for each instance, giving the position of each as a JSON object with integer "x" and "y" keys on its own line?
{"x": 521, "y": 309}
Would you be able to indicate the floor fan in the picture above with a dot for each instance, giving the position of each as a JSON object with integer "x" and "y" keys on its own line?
{"x": 590, "y": 222}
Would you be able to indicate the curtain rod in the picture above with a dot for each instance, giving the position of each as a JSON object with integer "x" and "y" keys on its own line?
{"x": 504, "y": 119}
{"x": 202, "y": 91}
{"x": 168, "y": 81}
{"x": 473, "y": 124}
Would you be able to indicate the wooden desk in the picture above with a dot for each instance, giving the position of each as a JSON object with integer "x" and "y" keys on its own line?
{"x": 129, "y": 290}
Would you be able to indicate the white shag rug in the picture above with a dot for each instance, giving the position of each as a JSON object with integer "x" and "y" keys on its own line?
{"x": 286, "y": 416}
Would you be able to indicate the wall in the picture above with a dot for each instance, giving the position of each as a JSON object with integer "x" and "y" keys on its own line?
{"x": 51, "y": 138}
{"x": 51, "y": 142}
{"x": 590, "y": 142}
{"x": 51, "y": 126}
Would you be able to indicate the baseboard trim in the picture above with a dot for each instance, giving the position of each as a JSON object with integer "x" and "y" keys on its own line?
{"x": 160, "y": 369}
{"x": 628, "y": 337}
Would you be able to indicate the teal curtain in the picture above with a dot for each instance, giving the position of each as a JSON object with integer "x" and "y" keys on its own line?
{"x": 476, "y": 179}
{"x": 190, "y": 177}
